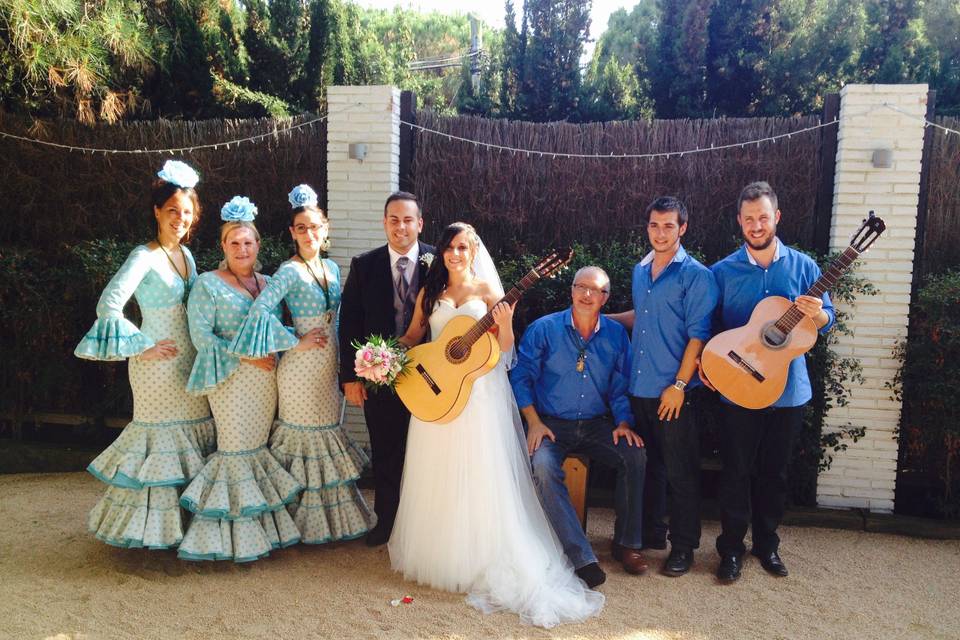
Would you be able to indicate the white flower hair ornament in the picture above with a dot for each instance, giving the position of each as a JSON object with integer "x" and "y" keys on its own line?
{"x": 239, "y": 209}
{"x": 179, "y": 173}
{"x": 302, "y": 196}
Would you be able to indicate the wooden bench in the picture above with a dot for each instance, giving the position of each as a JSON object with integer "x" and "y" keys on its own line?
{"x": 576, "y": 470}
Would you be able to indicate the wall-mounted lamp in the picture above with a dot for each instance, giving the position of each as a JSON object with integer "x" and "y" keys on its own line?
{"x": 357, "y": 151}
{"x": 882, "y": 158}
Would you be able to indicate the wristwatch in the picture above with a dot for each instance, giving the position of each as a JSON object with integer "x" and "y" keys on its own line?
{"x": 679, "y": 385}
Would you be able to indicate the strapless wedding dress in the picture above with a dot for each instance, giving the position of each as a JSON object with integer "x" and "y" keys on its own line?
{"x": 469, "y": 517}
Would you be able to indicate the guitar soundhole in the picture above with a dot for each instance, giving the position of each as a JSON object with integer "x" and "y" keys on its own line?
{"x": 774, "y": 338}
{"x": 456, "y": 351}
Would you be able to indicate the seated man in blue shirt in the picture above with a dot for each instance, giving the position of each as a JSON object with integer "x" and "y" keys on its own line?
{"x": 674, "y": 297}
{"x": 756, "y": 444}
{"x": 570, "y": 382}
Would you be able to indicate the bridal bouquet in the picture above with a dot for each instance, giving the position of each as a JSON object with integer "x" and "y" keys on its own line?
{"x": 380, "y": 361}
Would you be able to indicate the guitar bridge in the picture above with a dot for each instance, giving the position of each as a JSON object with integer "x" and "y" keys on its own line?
{"x": 746, "y": 366}
{"x": 430, "y": 382}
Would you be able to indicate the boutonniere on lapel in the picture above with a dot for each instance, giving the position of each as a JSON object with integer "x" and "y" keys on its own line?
{"x": 426, "y": 260}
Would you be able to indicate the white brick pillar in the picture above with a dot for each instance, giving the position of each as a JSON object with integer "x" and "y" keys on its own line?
{"x": 357, "y": 189}
{"x": 865, "y": 474}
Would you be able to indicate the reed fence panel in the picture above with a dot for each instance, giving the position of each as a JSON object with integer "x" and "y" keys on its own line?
{"x": 54, "y": 196}
{"x": 941, "y": 241}
{"x": 526, "y": 203}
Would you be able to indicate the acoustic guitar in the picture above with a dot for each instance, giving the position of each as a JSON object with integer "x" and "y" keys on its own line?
{"x": 749, "y": 365}
{"x": 439, "y": 377}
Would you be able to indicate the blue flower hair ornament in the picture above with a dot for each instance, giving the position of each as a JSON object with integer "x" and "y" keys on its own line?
{"x": 302, "y": 196}
{"x": 239, "y": 209}
{"x": 179, "y": 173}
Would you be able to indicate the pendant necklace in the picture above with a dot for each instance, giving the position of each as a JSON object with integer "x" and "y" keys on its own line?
{"x": 183, "y": 276}
{"x": 324, "y": 286}
{"x": 256, "y": 281}
{"x": 581, "y": 353}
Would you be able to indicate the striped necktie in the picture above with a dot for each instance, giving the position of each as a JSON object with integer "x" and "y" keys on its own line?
{"x": 403, "y": 284}
{"x": 407, "y": 301}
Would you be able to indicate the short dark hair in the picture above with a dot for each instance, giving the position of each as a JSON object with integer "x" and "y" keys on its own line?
{"x": 401, "y": 195}
{"x": 665, "y": 204}
{"x": 755, "y": 191}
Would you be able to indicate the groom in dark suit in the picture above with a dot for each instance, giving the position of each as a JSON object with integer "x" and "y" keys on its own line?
{"x": 379, "y": 298}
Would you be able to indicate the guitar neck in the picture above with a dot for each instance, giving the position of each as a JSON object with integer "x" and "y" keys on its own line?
{"x": 824, "y": 283}
{"x": 483, "y": 324}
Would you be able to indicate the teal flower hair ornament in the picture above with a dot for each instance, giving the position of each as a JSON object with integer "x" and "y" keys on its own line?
{"x": 239, "y": 209}
{"x": 302, "y": 196}
{"x": 179, "y": 173}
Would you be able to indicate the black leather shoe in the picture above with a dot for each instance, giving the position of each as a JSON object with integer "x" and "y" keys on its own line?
{"x": 378, "y": 536}
{"x": 772, "y": 563}
{"x": 592, "y": 574}
{"x": 729, "y": 569}
{"x": 678, "y": 563}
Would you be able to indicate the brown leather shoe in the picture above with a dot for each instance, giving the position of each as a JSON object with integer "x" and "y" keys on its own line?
{"x": 632, "y": 560}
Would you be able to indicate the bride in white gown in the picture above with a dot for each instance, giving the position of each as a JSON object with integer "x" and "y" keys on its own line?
{"x": 469, "y": 517}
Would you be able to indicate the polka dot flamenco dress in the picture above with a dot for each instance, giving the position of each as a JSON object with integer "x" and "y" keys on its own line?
{"x": 307, "y": 438}
{"x": 238, "y": 498}
{"x": 163, "y": 448}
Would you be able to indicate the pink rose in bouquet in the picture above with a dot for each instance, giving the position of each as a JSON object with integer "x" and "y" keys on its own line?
{"x": 379, "y": 361}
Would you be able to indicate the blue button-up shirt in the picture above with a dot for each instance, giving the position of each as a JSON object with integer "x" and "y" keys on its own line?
{"x": 744, "y": 283}
{"x": 546, "y": 373}
{"x": 668, "y": 312}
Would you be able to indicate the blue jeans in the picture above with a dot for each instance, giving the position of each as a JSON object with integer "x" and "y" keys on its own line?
{"x": 594, "y": 439}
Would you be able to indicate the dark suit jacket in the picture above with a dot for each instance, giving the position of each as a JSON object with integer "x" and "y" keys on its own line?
{"x": 366, "y": 306}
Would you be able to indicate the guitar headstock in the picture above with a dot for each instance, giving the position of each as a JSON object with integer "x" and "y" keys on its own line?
{"x": 868, "y": 232}
{"x": 553, "y": 262}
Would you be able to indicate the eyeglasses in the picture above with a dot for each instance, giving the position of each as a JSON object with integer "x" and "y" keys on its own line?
{"x": 301, "y": 229}
{"x": 585, "y": 290}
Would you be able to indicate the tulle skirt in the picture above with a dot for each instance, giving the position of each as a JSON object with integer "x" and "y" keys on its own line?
{"x": 470, "y": 520}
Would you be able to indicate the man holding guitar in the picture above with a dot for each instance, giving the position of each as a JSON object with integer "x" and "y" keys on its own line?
{"x": 756, "y": 443}
{"x": 674, "y": 297}
{"x": 570, "y": 383}
{"x": 378, "y": 298}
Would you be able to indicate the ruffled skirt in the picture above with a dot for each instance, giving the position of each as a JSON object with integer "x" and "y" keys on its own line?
{"x": 331, "y": 507}
{"x": 308, "y": 442}
{"x": 238, "y": 501}
{"x": 239, "y": 498}
{"x": 159, "y": 452}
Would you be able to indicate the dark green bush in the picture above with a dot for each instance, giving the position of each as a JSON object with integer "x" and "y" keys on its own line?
{"x": 829, "y": 373}
{"x": 47, "y": 302}
{"x": 926, "y": 383}
{"x": 553, "y": 294}
{"x": 39, "y": 295}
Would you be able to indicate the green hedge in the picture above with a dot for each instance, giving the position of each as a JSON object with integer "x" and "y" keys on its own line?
{"x": 926, "y": 383}
{"x": 48, "y": 300}
{"x": 828, "y": 372}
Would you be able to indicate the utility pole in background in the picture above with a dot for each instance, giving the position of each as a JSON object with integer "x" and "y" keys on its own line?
{"x": 476, "y": 45}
